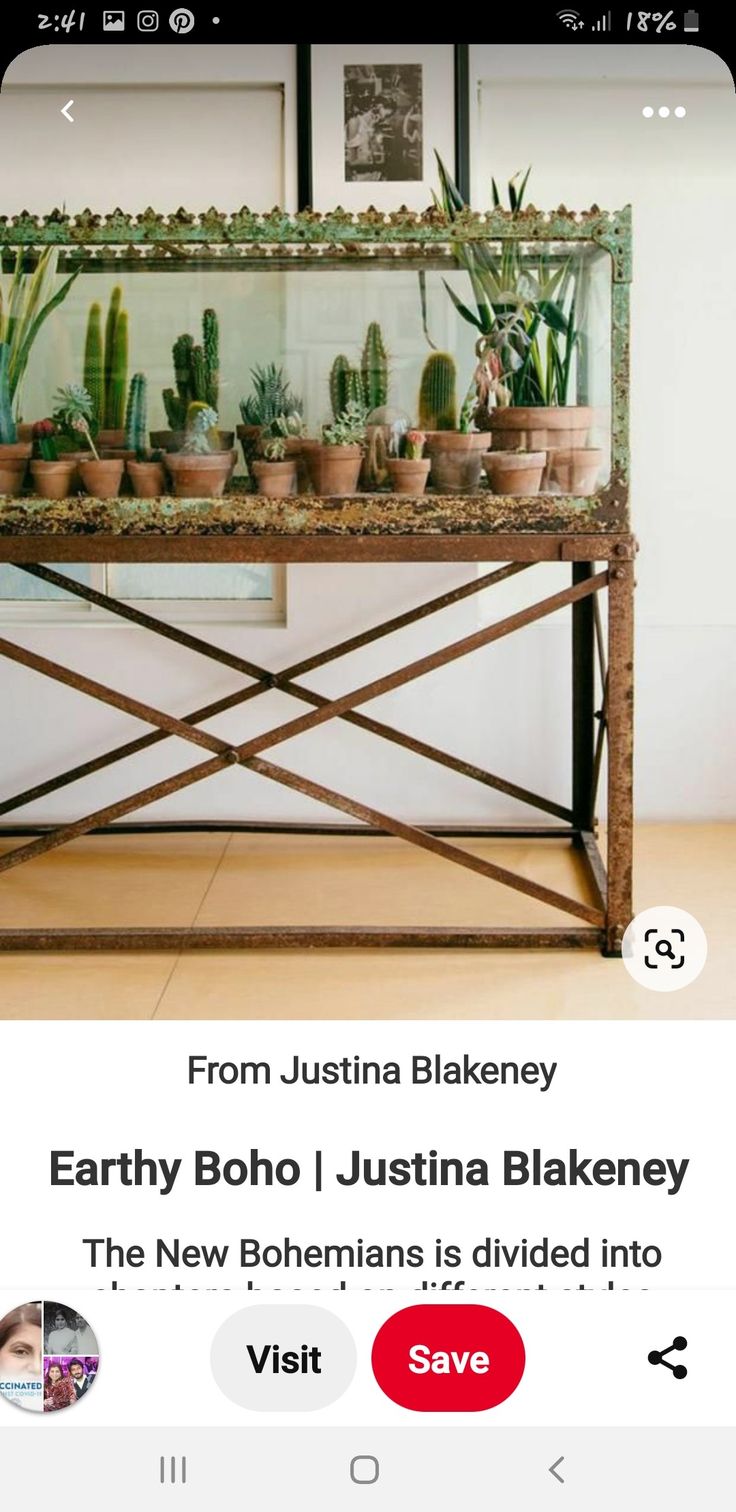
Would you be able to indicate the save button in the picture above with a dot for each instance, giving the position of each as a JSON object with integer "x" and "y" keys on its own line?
{"x": 439, "y": 1357}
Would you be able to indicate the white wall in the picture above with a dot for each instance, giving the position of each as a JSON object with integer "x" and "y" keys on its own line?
{"x": 505, "y": 708}
{"x": 575, "y": 113}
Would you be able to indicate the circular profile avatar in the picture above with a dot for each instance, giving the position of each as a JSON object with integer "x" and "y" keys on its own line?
{"x": 48, "y": 1356}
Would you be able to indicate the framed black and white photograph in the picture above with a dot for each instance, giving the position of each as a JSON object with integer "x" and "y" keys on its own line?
{"x": 384, "y": 122}
{"x": 378, "y": 114}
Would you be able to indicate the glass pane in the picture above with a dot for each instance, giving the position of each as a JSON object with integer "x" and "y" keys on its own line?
{"x": 18, "y": 586}
{"x": 303, "y": 316}
{"x": 200, "y": 581}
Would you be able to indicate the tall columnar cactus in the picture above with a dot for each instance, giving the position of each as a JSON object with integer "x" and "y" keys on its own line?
{"x": 115, "y": 361}
{"x": 118, "y": 385}
{"x": 374, "y": 368}
{"x": 211, "y": 344}
{"x": 196, "y": 372}
{"x": 339, "y": 379}
{"x": 94, "y": 364}
{"x": 136, "y": 415}
{"x": 8, "y": 431}
{"x": 438, "y": 393}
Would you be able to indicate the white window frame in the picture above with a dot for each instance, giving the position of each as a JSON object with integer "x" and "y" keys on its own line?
{"x": 55, "y": 612}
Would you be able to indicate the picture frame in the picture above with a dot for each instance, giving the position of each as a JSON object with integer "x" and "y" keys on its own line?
{"x": 370, "y": 121}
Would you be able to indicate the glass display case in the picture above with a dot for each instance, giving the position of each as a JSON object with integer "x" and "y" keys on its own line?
{"x": 332, "y": 355}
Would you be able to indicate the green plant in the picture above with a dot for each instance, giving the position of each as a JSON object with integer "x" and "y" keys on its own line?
{"x": 438, "y": 393}
{"x": 412, "y": 447}
{"x": 348, "y": 428}
{"x": 374, "y": 368}
{"x": 44, "y": 441}
{"x": 8, "y": 429}
{"x": 366, "y": 385}
{"x": 274, "y": 448}
{"x": 136, "y": 416}
{"x": 524, "y": 309}
{"x": 201, "y": 420}
{"x": 117, "y": 387}
{"x": 94, "y": 364}
{"x": 74, "y": 413}
{"x": 24, "y": 307}
{"x": 289, "y": 425}
{"x": 196, "y": 372}
{"x": 271, "y": 398}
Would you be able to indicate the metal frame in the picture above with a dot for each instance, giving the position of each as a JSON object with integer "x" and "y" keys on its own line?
{"x": 583, "y": 533}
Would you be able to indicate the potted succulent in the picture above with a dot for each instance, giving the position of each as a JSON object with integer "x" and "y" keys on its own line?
{"x": 275, "y": 472}
{"x": 101, "y": 478}
{"x": 105, "y": 376}
{"x": 409, "y": 472}
{"x": 197, "y": 376}
{"x": 298, "y": 444}
{"x": 515, "y": 472}
{"x": 24, "y": 307}
{"x": 456, "y": 455}
{"x": 145, "y": 468}
{"x": 524, "y": 314}
{"x": 14, "y": 454}
{"x": 200, "y": 470}
{"x": 335, "y": 464}
{"x": 271, "y": 399}
{"x": 53, "y": 475}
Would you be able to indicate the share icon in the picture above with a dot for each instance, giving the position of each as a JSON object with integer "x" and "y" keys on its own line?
{"x": 658, "y": 1357}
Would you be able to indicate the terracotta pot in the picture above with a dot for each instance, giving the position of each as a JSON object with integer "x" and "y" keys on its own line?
{"x": 147, "y": 478}
{"x": 540, "y": 428}
{"x": 408, "y": 474}
{"x": 296, "y": 449}
{"x": 111, "y": 439}
{"x": 311, "y": 451}
{"x": 515, "y": 472}
{"x": 456, "y": 459}
{"x": 199, "y": 477}
{"x": 14, "y": 458}
{"x": 167, "y": 440}
{"x": 24, "y": 430}
{"x": 249, "y": 437}
{"x": 54, "y": 480}
{"x": 575, "y": 469}
{"x": 337, "y": 468}
{"x": 101, "y": 480}
{"x": 276, "y": 480}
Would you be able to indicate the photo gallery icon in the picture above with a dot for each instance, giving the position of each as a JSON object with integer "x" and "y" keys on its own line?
{"x": 49, "y": 1356}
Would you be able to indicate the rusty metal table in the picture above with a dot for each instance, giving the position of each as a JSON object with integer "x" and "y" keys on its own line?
{"x": 515, "y": 533}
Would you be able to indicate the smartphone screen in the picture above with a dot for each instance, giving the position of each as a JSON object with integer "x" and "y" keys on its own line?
{"x": 367, "y": 765}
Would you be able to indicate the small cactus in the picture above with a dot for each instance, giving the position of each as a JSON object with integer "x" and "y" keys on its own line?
{"x": 339, "y": 378}
{"x": 136, "y": 415}
{"x": 374, "y": 368}
{"x": 438, "y": 393}
{"x": 202, "y": 435}
{"x": 94, "y": 364}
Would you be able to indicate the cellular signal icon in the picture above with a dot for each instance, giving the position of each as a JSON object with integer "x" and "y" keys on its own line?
{"x": 571, "y": 19}
{"x": 604, "y": 24}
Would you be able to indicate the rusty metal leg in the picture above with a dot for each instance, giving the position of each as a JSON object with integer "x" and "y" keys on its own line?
{"x": 583, "y": 702}
{"x": 620, "y": 722}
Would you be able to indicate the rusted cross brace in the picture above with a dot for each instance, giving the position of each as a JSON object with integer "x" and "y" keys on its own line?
{"x": 247, "y": 752}
{"x": 284, "y": 682}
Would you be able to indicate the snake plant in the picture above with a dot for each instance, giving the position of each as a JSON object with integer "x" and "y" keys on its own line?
{"x": 523, "y": 308}
{"x": 25, "y": 304}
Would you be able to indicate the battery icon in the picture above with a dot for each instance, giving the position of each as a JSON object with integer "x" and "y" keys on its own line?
{"x": 692, "y": 21}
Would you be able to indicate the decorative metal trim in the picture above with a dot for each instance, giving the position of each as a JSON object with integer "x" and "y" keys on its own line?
{"x": 307, "y": 233}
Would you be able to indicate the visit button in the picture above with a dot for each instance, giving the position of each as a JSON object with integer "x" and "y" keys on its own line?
{"x": 446, "y": 1358}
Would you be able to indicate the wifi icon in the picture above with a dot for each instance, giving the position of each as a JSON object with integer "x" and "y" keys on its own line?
{"x": 570, "y": 18}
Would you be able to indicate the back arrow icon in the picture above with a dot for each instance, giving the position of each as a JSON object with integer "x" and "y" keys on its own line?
{"x": 553, "y": 1470}
{"x": 65, "y": 111}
